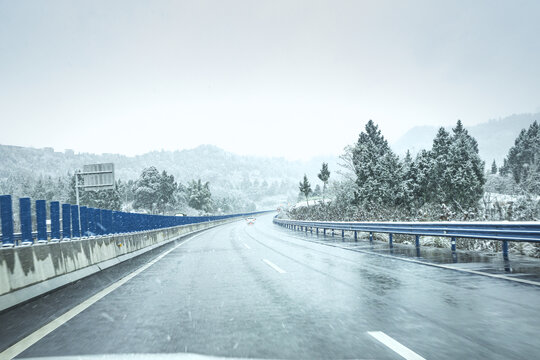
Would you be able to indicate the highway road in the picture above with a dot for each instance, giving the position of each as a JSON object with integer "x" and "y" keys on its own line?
{"x": 261, "y": 291}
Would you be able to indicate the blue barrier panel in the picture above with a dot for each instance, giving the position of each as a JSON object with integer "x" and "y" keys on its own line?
{"x": 55, "y": 221}
{"x": 66, "y": 221}
{"x": 25, "y": 216}
{"x": 75, "y": 221}
{"x": 106, "y": 216}
{"x": 99, "y": 221}
{"x": 41, "y": 221}
{"x": 6, "y": 213}
{"x": 91, "y": 221}
{"x": 84, "y": 220}
{"x": 99, "y": 224}
{"x": 115, "y": 221}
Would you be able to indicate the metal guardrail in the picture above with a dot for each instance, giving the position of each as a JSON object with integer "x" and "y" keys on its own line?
{"x": 501, "y": 231}
{"x": 79, "y": 222}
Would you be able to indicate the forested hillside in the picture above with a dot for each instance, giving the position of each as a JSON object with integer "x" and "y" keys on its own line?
{"x": 494, "y": 137}
{"x": 264, "y": 182}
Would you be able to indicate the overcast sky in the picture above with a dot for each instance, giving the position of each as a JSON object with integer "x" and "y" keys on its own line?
{"x": 277, "y": 78}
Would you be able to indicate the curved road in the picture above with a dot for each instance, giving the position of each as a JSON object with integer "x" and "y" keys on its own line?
{"x": 261, "y": 291}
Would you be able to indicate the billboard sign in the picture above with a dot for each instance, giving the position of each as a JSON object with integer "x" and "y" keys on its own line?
{"x": 98, "y": 177}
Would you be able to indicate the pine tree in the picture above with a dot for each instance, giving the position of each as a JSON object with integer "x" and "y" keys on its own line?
{"x": 439, "y": 181}
{"x": 407, "y": 160}
{"x": 465, "y": 171}
{"x": 39, "y": 191}
{"x": 378, "y": 170}
{"x": 523, "y": 159}
{"x": 167, "y": 187}
{"x": 493, "y": 168}
{"x": 305, "y": 188}
{"x": 417, "y": 181}
{"x": 324, "y": 176}
{"x": 147, "y": 190}
{"x": 199, "y": 196}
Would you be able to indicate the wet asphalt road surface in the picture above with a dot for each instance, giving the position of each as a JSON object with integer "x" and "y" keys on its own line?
{"x": 261, "y": 291}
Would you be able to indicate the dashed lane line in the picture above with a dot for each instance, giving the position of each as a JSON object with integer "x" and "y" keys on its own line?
{"x": 274, "y": 266}
{"x": 395, "y": 346}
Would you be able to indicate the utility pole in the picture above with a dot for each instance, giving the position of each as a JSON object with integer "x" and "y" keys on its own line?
{"x": 77, "y": 172}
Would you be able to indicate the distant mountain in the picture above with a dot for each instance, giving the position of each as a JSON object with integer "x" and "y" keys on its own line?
{"x": 229, "y": 174}
{"x": 494, "y": 137}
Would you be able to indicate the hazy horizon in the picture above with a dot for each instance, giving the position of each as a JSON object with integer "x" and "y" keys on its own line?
{"x": 276, "y": 79}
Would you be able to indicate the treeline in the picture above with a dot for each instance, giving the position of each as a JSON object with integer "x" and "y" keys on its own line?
{"x": 153, "y": 192}
{"x": 447, "y": 182}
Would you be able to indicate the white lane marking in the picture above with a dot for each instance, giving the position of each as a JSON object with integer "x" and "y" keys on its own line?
{"x": 247, "y": 246}
{"x": 274, "y": 266}
{"x": 37, "y": 335}
{"x": 395, "y": 346}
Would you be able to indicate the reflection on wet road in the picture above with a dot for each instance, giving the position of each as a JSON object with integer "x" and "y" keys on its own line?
{"x": 261, "y": 291}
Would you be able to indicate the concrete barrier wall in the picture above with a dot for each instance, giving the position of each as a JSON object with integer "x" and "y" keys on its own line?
{"x": 27, "y": 272}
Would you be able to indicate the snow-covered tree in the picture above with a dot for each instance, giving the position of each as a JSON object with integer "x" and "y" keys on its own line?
{"x": 166, "y": 191}
{"x": 439, "y": 181}
{"x": 378, "y": 170}
{"x": 465, "y": 171}
{"x": 147, "y": 190}
{"x": 317, "y": 191}
{"x": 523, "y": 159}
{"x": 199, "y": 196}
{"x": 305, "y": 188}
{"x": 417, "y": 181}
{"x": 324, "y": 176}
{"x": 493, "y": 167}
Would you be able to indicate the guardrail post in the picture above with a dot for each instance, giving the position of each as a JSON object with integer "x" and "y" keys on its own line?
{"x": 371, "y": 237}
{"x": 66, "y": 222}
{"x": 317, "y": 231}
{"x": 453, "y": 244}
{"x": 391, "y": 240}
{"x": 306, "y": 228}
{"x": 75, "y": 222}
{"x": 343, "y": 234}
{"x": 505, "y": 249}
{"x": 25, "y": 215}
{"x": 417, "y": 240}
{"x": 41, "y": 221}
{"x": 355, "y": 235}
{"x": 332, "y": 232}
{"x": 324, "y": 232}
{"x": 55, "y": 221}
{"x": 6, "y": 213}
